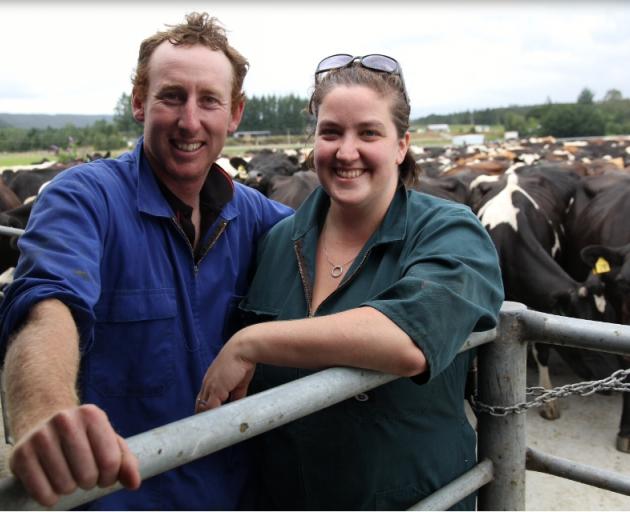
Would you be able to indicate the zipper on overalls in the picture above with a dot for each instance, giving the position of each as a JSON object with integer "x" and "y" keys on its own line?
{"x": 181, "y": 232}
{"x": 217, "y": 233}
{"x": 306, "y": 284}
{"x": 215, "y": 237}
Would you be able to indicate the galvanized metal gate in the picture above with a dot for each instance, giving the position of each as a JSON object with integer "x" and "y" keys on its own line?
{"x": 503, "y": 454}
{"x": 502, "y": 370}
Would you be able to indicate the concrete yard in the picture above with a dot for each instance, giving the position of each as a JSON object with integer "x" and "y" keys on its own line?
{"x": 586, "y": 433}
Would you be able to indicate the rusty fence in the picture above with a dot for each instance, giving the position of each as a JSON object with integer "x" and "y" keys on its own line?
{"x": 502, "y": 449}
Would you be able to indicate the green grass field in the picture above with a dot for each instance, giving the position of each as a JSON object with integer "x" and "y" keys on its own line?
{"x": 232, "y": 148}
{"x": 8, "y": 160}
{"x": 26, "y": 158}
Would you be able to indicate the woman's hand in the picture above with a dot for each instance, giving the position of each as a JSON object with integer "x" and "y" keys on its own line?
{"x": 228, "y": 377}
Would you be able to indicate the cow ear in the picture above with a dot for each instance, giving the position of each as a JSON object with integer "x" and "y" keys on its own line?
{"x": 591, "y": 254}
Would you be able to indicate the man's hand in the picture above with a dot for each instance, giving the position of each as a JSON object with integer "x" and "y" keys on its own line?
{"x": 228, "y": 376}
{"x": 75, "y": 447}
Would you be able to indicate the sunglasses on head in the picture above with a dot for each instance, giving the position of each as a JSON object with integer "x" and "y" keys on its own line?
{"x": 373, "y": 62}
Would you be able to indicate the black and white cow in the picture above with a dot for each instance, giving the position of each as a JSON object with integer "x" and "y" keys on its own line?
{"x": 600, "y": 249}
{"x": 524, "y": 212}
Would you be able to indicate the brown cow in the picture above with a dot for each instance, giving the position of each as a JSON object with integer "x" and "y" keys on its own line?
{"x": 8, "y": 199}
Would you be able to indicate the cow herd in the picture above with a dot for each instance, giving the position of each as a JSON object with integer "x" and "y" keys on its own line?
{"x": 556, "y": 212}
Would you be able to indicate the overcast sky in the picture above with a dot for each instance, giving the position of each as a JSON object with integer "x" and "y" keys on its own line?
{"x": 77, "y": 57}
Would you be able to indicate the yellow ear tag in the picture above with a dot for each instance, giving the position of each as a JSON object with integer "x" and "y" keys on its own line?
{"x": 601, "y": 266}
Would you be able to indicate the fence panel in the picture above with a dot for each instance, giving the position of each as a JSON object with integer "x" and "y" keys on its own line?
{"x": 180, "y": 442}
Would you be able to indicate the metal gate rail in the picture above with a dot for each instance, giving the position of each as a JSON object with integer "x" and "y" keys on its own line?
{"x": 502, "y": 372}
{"x": 573, "y": 332}
{"x": 6, "y": 230}
{"x": 183, "y": 441}
{"x": 583, "y": 473}
{"x": 458, "y": 489}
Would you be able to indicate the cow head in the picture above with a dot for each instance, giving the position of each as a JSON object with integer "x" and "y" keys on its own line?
{"x": 612, "y": 266}
{"x": 267, "y": 164}
{"x": 482, "y": 188}
{"x": 587, "y": 300}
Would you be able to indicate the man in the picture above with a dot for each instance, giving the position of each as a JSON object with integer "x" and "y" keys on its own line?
{"x": 129, "y": 272}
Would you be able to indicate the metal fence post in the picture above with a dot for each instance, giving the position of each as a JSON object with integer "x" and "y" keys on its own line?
{"x": 502, "y": 381}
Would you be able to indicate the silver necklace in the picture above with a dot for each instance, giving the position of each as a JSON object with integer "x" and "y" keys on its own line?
{"x": 336, "y": 270}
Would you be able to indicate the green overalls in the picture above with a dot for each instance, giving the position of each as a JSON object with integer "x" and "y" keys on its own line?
{"x": 432, "y": 269}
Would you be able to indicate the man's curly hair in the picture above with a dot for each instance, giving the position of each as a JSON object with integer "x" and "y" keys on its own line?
{"x": 201, "y": 29}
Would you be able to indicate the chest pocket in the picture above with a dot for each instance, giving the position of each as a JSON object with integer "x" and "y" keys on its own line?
{"x": 133, "y": 353}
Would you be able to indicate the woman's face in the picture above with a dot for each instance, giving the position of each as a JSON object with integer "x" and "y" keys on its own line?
{"x": 357, "y": 150}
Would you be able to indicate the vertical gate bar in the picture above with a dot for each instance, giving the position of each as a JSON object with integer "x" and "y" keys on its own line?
{"x": 502, "y": 439}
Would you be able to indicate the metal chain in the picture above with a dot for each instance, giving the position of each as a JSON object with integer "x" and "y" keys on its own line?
{"x": 614, "y": 382}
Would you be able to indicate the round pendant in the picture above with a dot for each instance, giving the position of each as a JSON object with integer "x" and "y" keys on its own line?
{"x": 336, "y": 271}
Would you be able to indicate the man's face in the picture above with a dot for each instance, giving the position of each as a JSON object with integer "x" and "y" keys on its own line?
{"x": 187, "y": 112}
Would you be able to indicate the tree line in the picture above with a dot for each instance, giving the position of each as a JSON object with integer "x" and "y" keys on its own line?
{"x": 277, "y": 114}
{"x": 585, "y": 117}
{"x": 287, "y": 115}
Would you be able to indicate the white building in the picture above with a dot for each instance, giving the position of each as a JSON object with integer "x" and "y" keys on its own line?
{"x": 468, "y": 139}
{"x": 438, "y": 128}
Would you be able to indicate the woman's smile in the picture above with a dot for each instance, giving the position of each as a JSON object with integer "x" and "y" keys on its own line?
{"x": 348, "y": 174}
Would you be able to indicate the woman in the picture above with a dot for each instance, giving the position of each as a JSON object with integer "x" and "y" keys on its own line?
{"x": 370, "y": 275}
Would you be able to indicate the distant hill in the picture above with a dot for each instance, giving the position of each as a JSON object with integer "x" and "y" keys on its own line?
{"x": 53, "y": 120}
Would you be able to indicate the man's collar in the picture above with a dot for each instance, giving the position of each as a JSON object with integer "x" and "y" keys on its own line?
{"x": 217, "y": 190}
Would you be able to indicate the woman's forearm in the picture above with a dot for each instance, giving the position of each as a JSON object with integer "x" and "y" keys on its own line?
{"x": 360, "y": 337}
